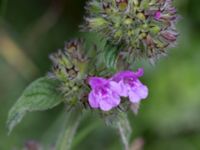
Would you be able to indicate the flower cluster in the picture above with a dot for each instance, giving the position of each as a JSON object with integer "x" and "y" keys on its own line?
{"x": 106, "y": 93}
{"x": 142, "y": 28}
{"x": 70, "y": 67}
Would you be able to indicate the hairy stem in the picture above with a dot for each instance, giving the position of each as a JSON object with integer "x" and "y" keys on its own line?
{"x": 123, "y": 137}
{"x": 66, "y": 136}
{"x": 84, "y": 133}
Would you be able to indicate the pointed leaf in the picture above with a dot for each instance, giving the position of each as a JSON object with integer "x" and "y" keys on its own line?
{"x": 40, "y": 95}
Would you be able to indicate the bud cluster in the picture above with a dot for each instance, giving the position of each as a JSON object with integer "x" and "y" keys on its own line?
{"x": 142, "y": 28}
{"x": 69, "y": 66}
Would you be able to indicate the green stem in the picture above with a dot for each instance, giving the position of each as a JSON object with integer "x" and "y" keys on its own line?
{"x": 66, "y": 137}
{"x": 123, "y": 137}
{"x": 84, "y": 133}
{"x": 124, "y": 129}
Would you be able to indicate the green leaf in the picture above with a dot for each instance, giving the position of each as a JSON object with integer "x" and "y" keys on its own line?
{"x": 40, "y": 95}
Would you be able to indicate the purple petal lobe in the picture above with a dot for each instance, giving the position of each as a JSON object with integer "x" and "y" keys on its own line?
{"x": 93, "y": 100}
{"x": 106, "y": 105}
{"x": 157, "y": 15}
{"x": 140, "y": 89}
{"x": 115, "y": 99}
{"x": 124, "y": 91}
{"x": 115, "y": 86}
{"x": 97, "y": 81}
{"x": 134, "y": 97}
{"x": 140, "y": 72}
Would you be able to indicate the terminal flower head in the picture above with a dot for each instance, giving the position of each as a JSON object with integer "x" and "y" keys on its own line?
{"x": 137, "y": 25}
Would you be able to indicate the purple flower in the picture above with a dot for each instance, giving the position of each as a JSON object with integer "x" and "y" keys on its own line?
{"x": 130, "y": 85}
{"x": 157, "y": 15}
{"x": 104, "y": 94}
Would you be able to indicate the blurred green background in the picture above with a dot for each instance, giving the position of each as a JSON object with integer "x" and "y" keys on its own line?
{"x": 168, "y": 120}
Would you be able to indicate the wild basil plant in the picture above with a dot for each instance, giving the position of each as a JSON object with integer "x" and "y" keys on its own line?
{"x": 101, "y": 79}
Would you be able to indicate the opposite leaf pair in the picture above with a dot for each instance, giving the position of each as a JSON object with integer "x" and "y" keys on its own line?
{"x": 106, "y": 93}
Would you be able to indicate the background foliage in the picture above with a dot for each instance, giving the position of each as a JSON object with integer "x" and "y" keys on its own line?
{"x": 169, "y": 119}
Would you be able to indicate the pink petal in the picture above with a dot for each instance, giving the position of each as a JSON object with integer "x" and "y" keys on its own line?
{"x": 134, "y": 97}
{"x": 157, "y": 15}
{"x": 115, "y": 99}
{"x": 141, "y": 90}
{"x": 138, "y": 92}
{"x": 139, "y": 72}
{"x": 127, "y": 74}
{"x": 114, "y": 86}
{"x": 97, "y": 81}
{"x": 105, "y": 105}
{"x": 109, "y": 102}
{"x": 93, "y": 100}
{"x": 124, "y": 89}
